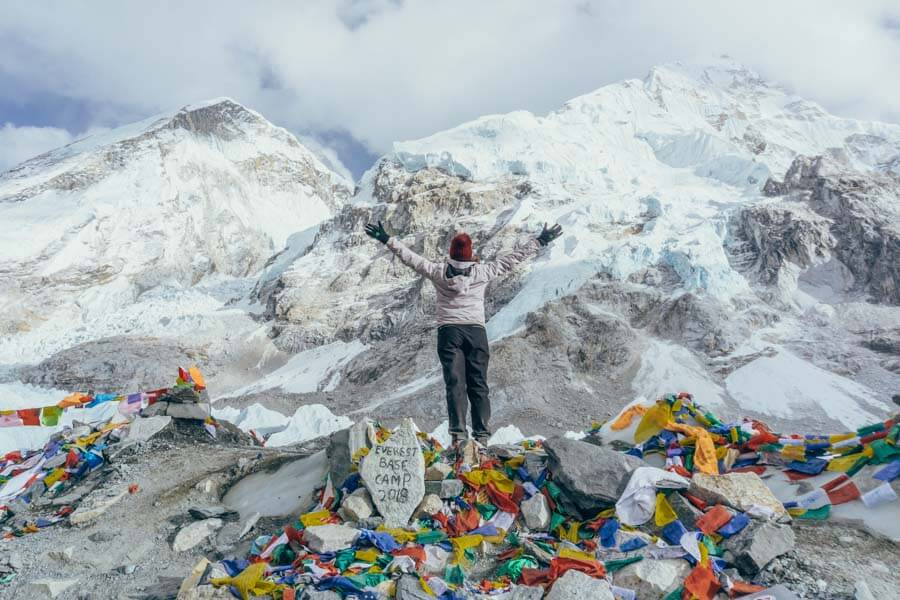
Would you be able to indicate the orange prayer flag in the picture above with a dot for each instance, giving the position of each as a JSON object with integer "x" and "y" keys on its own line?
{"x": 702, "y": 583}
{"x": 197, "y": 377}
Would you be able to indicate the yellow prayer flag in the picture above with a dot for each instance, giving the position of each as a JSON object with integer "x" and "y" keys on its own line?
{"x": 665, "y": 514}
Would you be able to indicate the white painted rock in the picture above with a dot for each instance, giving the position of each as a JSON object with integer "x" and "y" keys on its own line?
{"x": 191, "y": 535}
{"x": 394, "y": 474}
{"x": 329, "y": 538}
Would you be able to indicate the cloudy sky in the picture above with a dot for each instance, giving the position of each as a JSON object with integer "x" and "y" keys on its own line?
{"x": 355, "y": 75}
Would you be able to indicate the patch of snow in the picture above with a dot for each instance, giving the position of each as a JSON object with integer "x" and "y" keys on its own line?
{"x": 575, "y": 435}
{"x": 316, "y": 369}
{"x": 785, "y": 385}
{"x": 255, "y": 417}
{"x": 667, "y": 368}
{"x": 308, "y": 423}
{"x": 287, "y": 491}
{"x": 510, "y": 434}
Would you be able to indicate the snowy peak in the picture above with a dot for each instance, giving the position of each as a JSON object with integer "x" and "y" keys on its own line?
{"x": 209, "y": 191}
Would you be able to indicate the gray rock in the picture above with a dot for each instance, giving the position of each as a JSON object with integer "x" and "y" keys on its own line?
{"x": 687, "y": 513}
{"x": 575, "y": 585}
{"x": 394, "y": 474}
{"x": 157, "y": 409}
{"x": 102, "y": 536}
{"x": 95, "y": 505}
{"x": 431, "y": 504}
{"x": 535, "y": 463}
{"x": 653, "y": 578}
{"x": 357, "y": 506}
{"x": 57, "y": 460}
{"x": 776, "y": 592}
{"x": 329, "y": 538}
{"x": 47, "y": 588}
{"x": 448, "y": 488}
{"x": 191, "y": 535}
{"x": 861, "y": 591}
{"x": 213, "y": 512}
{"x": 737, "y": 490}
{"x": 181, "y": 395}
{"x": 249, "y": 524}
{"x": 194, "y": 412}
{"x": 536, "y": 512}
{"x": 126, "y": 569}
{"x": 311, "y": 594}
{"x": 526, "y": 592}
{"x": 408, "y": 588}
{"x": 593, "y": 477}
{"x": 438, "y": 472}
{"x": 144, "y": 428}
{"x": 63, "y": 555}
{"x": 760, "y": 542}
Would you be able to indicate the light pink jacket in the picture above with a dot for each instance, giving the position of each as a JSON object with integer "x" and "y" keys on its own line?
{"x": 460, "y": 299}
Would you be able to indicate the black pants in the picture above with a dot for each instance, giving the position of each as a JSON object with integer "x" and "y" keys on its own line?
{"x": 463, "y": 350}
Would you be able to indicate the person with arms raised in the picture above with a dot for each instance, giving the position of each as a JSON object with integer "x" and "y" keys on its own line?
{"x": 462, "y": 345}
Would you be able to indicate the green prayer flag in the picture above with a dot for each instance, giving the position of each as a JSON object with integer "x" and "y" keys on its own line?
{"x": 675, "y": 595}
{"x": 486, "y": 510}
{"x": 816, "y": 514}
{"x": 50, "y": 415}
{"x": 430, "y": 537}
{"x": 454, "y": 574}
{"x": 614, "y": 565}
{"x": 556, "y": 520}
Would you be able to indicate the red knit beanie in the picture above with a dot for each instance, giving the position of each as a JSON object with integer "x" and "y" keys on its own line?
{"x": 461, "y": 247}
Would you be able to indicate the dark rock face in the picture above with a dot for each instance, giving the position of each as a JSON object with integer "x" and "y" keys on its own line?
{"x": 862, "y": 221}
{"x": 592, "y": 477}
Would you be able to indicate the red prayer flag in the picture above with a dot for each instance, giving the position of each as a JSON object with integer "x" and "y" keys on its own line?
{"x": 701, "y": 583}
{"x": 710, "y": 522}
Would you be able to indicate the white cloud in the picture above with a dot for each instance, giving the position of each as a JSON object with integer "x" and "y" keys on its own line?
{"x": 387, "y": 70}
{"x": 18, "y": 144}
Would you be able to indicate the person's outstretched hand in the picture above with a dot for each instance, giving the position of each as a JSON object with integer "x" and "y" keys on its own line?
{"x": 377, "y": 232}
{"x": 548, "y": 235}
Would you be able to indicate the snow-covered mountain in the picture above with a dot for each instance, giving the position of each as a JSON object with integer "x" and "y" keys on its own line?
{"x": 151, "y": 232}
{"x": 722, "y": 236}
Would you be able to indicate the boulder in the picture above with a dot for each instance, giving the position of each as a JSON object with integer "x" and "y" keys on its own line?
{"x": 438, "y": 472}
{"x": 194, "y": 412}
{"x": 191, "y": 535}
{"x": 687, "y": 513}
{"x": 653, "y": 578}
{"x": 329, "y": 538}
{"x": 575, "y": 585}
{"x": 536, "y": 512}
{"x": 357, "y": 506}
{"x": 47, "y": 588}
{"x": 394, "y": 474}
{"x": 431, "y": 505}
{"x": 448, "y": 488}
{"x": 342, "y": 446}
{"x": 213, "y": 512}
{"x": 157, "y": 409}
{"x": 144, "y": 428}
{"x": 737, "y": 490}
{"x": 593, "y": 477}
{"x": 97, "y": 503}
{"x": 757, "y": 544}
